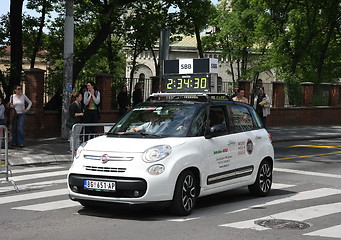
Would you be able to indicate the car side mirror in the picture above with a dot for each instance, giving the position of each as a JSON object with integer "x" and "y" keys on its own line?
{"x": 216, "y": 130}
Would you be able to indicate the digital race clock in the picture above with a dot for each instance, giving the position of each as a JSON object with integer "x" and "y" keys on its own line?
{"x": 187, "y": 83}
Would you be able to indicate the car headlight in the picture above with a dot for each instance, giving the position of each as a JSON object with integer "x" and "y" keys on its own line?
{"x": 80, "y": 149}
{"x": 156, "y": 153}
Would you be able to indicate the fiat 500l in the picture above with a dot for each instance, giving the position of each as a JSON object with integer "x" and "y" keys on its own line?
{"x": 173, "y": 150}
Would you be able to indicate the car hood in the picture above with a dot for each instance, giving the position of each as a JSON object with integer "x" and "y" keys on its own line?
{"x": 129, "y": 145}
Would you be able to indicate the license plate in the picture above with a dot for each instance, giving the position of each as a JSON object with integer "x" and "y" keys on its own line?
{"x": 99, "y": 185}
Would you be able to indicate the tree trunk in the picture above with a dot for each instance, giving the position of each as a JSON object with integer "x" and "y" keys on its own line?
{"x": 199, "y": 45}
{"x": 90, "y": 50}
{"x": 40, "y": 33}
{"x": 16, "y": 44}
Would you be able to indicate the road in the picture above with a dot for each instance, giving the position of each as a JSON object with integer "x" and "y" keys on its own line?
{"x": 304, "y": 204}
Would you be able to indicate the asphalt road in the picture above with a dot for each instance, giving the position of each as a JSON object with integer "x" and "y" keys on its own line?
{"x": 303, "y": 204}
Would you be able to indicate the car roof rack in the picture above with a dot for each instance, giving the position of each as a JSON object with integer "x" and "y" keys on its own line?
{"x": 201, "y": 96}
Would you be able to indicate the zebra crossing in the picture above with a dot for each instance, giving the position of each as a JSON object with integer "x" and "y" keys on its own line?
{"x": 25, "y": 194}
{"x": 49, "y": 182}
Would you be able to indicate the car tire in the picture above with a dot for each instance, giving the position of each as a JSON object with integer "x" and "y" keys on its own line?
{"x": 185, "y": 194}
{"x": 263, "y": 182}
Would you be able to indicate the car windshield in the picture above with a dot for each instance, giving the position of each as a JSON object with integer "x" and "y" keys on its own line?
{"x": 156, "y": 121}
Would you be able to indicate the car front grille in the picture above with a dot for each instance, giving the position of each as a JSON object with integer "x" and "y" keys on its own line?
{"x": 105, "y": 169}
{"x": 110, "y": 158}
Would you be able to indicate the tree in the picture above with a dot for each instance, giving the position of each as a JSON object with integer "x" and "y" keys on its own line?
{"x": 303, "y": 33}
{"x": 193, "y": 17}
{"x": 144, "y": 23}
{"x": 298, "y": 38}
{"x": 16, "y": 42}
{"x": 44, "y": 7}
{"x": 235, "y": 37}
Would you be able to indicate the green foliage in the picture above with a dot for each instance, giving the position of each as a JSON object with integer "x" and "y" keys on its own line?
{"x": 298, "y": 38}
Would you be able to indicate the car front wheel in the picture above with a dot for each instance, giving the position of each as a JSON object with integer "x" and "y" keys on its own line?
{"x": 263, "y": 182}
{"x": 185, "y": 194}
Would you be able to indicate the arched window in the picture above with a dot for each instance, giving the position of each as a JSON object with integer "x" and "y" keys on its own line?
{"x": 142, "y": 77}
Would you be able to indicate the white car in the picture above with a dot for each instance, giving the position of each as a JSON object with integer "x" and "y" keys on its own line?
{"x": 174, "y": 150}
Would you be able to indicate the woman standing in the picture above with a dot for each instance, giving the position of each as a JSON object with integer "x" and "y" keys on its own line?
{"x": 262, "y": 105}
{"x": 75, "y": 116}
{"x": 123, "y": 101}
{"x": 17, "y": 101}
{"x": 240, "y": 97}
{"x": 2, "y": 119}
{"x": 92, "y": 98}
{"x": 137, "y": 94}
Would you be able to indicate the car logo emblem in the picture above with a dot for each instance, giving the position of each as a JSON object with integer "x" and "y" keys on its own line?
{"x": 104, "y": 158}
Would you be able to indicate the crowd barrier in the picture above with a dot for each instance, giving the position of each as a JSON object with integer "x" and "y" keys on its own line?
{"x": 79, "y": 135}
{"x": 4, "y": 168}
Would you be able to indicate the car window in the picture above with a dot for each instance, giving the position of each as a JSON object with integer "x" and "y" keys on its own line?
{"x": 164, "y": 121}
{"x": 217, "y": 116}
{"x": 199, "y": 124}
{"x": 241, "y": 119}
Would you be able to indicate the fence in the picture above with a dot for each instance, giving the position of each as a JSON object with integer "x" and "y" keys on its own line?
{"x": 79, "y": 135}
{"x": 4, "y": 158}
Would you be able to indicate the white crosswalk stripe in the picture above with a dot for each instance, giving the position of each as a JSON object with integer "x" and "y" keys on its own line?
{"x": 39, "y": 175}
{"x": 35, "y": 169}
{"x": 36, "y": 185}
{"x": 301, "y": 214}
{"x": 35, "y": 173}
{"x": 332, "y": 232}
{"x": 49, "y": 205}
{"x": 32, "y": 196}
{"x": 316, "y": 174}
{"x": 312, "y": 194}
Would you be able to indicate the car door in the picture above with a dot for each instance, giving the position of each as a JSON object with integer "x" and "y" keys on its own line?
{"x": 220, "y": 150}
{"x": 247, "y": 135}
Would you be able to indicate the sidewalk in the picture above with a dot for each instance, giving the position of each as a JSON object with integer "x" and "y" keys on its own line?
{"x": 47, "y": 150}
{"x": 39, "y": 151}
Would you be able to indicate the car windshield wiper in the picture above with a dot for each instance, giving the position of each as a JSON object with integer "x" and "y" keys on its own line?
{"x": 120, "y": 133}
{"x": 133, "y": 133}
{"x": 149, "y": 134}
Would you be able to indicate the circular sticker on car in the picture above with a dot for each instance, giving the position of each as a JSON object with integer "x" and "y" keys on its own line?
{"x": 249, "y": 146}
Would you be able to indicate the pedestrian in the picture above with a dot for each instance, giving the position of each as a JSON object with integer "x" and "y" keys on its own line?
{"x": 262, "y": 105}
{"x": 17, "y": 101}
{"x": 76, "y": 114}
{"x": 137, "y": 94}
{"x": 240, "y": 96}
{"x": 2, "y": 120}
{"x": 82, "y": 90}
{"x": 235, "y": 92}
{"x": 92, "y": 99}
{"x": 123, "y": 101}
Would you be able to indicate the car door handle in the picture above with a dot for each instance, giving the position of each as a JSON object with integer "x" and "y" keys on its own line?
{"x": 231, "y": 143}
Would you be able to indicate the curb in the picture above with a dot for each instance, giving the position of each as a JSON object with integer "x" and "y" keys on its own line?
{"x": 300, "y": 138}
{"x": 38, "y": 159}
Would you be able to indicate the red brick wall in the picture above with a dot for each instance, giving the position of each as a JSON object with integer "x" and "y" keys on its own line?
{"x": 48, "y": 124}
{"x": 300, "y": 116}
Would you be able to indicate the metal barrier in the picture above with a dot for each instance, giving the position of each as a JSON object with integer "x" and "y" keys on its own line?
{"x": 4, "y": 157}
{"x": 78, "y": 134}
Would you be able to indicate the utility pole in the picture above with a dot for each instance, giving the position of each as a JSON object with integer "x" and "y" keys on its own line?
{"x": 163, "y": 52}
{"x": 68, "y": 62}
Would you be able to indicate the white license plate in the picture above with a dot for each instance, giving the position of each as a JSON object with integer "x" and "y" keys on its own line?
{"x": 99, "y": 185}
